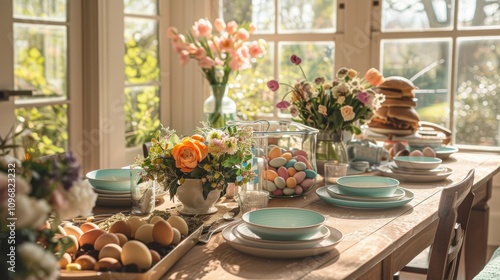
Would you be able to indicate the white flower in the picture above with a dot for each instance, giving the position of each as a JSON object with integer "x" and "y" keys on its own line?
{"x": 80, "y": 199}
{"x": 31, "y": 212}
{"x": 41, "y": 264}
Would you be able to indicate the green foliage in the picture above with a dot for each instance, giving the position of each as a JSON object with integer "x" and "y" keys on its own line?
{"x": 141, "y": 115}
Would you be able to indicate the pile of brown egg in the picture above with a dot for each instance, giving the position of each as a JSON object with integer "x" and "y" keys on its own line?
{"x": 132, "y": 245}
{"x": 289, "y": 172}
{"x": 399, "y": 149}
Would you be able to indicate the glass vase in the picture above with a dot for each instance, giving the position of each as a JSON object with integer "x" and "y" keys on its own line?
{"x": 218, "y": 107}
{"x": 330, "y": 146}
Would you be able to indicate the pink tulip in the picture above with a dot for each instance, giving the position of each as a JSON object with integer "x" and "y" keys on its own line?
{"x": 219, "y": 24}
{"x": 206, "y": 62}
{"x": 231, "y": 27}
{"x": 295, "y": 59}
{"x": 242, "y": 34}
{"x": 172, "y": 32}
{"x": 184, "y": 57}
{"x": 226, "y": 44}
{"x": 273, "y": 85}
{"x": 255, "y": 49}
{"x": 283, "y": 105}
{"x": 251, "y": 28}
{"x": 202, "y": 28}
{"x": 200, "y": 53}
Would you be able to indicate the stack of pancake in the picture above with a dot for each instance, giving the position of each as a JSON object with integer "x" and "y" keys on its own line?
{"x": 397, "y": 116}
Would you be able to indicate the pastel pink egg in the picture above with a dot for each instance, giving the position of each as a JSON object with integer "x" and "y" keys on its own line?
{"x": 300, "y": 152}
{"x": 278, "y": 192}
{"x": 283, "y": 172}
{"x": 304, "y": 160}
{"x": 307, "y": 183}
{"x": 299, "y": 190}
{"x": 299, "y": 176}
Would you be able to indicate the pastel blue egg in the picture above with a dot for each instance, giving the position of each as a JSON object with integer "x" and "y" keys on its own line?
{"x": 310, "y": 173}
{"x": 290, "y": 163}
{"x": 277, "y": 162}
{"x": 279, "y": 182}
{"x": 300, "y": 166}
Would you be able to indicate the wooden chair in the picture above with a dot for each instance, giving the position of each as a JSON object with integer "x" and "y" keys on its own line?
{"x": 444, "y": 257}
{"x": 145, "y": 149}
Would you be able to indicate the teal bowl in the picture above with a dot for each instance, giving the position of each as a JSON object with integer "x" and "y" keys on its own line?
{"x": 110, "y": 179}
{"x": 284, "y": 223}
{"x": 417, "y": 162}
{"x": 369, "y": 186}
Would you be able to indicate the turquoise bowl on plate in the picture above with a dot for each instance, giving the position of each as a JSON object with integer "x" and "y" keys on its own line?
{"x": 110, "y": 179}
{"x": 284, "y": 223}
{"x": 417, "y": 162}
{"x": 369, "y": 186}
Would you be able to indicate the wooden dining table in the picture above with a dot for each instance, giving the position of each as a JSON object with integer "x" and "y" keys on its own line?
{"x": 376, "y": 242}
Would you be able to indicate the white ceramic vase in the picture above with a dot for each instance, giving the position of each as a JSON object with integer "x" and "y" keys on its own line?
{"x": 190, "y": 194}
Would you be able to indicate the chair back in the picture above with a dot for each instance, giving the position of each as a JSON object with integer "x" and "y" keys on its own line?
{"x": 145, "y": 149}
{"x": 454, "y": 210}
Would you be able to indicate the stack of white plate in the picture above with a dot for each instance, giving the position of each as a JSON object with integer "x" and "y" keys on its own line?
{"x": 112, "y": 187}
{"x": 282, "y": 232}
{"x": 417, "y": 169}
{"x": 371, "y": 192}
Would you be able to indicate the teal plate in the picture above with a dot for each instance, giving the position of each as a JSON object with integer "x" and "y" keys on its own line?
{"x": 445, "y": 151}
{"x": 323, "y": 194}
{"x": 117, "y": 180}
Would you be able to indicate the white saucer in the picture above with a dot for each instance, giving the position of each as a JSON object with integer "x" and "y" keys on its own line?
{"x": 416, "y": 177}
{"x": 245, "y": 232}
{"x": 445, "y": 151}
{"x": 402, "y": 170}
{"x": 334, "y": 192}
{"x": 324, "y": 246}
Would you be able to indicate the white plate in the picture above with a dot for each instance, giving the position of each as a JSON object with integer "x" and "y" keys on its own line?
{"x": 387, "y": 131}
{"x": 416, "y": 178}
{"x": 324, "y": 246}
{"x": 445, "y": 151}
{"x": 334, "y": 192}
{"x": 401, "y": 170}
{"x": 323, "y": 194}
{"x": 100, "y": 191}
{"x": 246, "y": 233}
{"x": 270, "y": 244}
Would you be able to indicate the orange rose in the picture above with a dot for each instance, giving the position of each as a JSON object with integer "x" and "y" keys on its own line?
{"x": 373, "y": 77}
{"x": 189, "y": 153}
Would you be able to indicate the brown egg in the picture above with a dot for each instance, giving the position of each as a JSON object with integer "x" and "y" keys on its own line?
{"x": 90, "y": 236}
{"x": 155, "y": 257}
{"x": 429, "y": 152}
{"x": 416, "y": 153}
{"x": 163, "y": 233}
{"x": 156, "y": 219}
{"x": 105, "y": 239}
{"x": 403, "y": 153}
{"x": 135, "y": 252}
{"x": 88, "y": 226}
{"x": 64, "y": 261}
{"x": 107, "y": 264}
{"x": 74, "y": 230}
{"x": 398, "y": 147}
{"x": 111, "y": 251}
{"x": 123, "y": 239}
{"x": 86, "y": 262}
{"x": 135, "y": 222}
{"x": 121, "y": 227}
{"x": 74, "y": 248}
{"x": 179, "y": 223}
{"x": 145, "y": 233}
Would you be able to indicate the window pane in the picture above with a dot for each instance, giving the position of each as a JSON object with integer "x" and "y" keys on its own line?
{"x": 50, "y": 10}
{"x": 141, "y": 7}
{"x": 259, "y": 12}
{"x": 307, "y": 16}
{"x": 48, "y": 126}
{"x": 426, "y": 63}
{"x": 249, "y": 88}
{"x": 142, "y": 114}
{"x": 317, "y": 61}
{"x": 40, "y": 59}
{"x": 404, "y": 15}
{"x": 141, "y": 53}
{"x": 477, "y": 104}
{"x": 478, "y": 14}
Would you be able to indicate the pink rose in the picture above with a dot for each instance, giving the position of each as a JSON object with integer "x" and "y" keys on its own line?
{"x": 219, "y": 24}
{"x": 347, "y": 113}
{"x": 231, "y": 27}
{"x": 273, "y": 85}
{"x": 242, "y": 34}
{"x": 363, "y": 97}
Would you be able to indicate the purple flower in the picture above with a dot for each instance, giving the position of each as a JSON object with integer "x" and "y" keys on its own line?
{"x": 283, "y": 105}
{"x": 273, "y": 85}
{"x": 295, "y": 59}
{"x": 364, "y": 97}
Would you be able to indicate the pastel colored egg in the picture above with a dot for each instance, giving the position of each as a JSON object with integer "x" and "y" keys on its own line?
{"x": 271, "y": 175}
{"x": 291, "y": 171}
{"x": 300, "y": 153}
{"x": 299, "y": 190}
{"x": 283, "y": 172}
{"x": 300, "y": 166}
{"x": 277, "y": 162}
{"x": 299, "y": 176}
{"x": 416, "y": 153}
{"x": 290, "y": 163}
{"x": 307, "y": 183}
{"x": 278, "y": 192}
{"x": 288, "y": 191}
{"x": 303, "y": 159}
{"x": 291, "y": 182}
{"x": 428, "y": 152}
{"x": 272, "y": 168}
{"x": 287, "y": 156}
{"x": 310, "y": 173}
{"x": 279, "y": 182}
{"x": 275, "y": 152}
{"x": 270, "y": 186}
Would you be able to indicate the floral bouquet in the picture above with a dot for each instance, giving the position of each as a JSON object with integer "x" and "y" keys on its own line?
{"x": 218, "y": 52}
{"x": 32, "y": 192}
{"x": 216, "y": 156}
{"x": 332, "y": 106}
